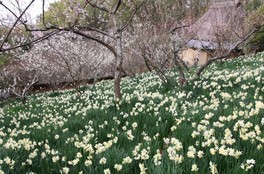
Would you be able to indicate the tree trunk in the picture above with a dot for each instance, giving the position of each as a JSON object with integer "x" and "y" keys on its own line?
{"x": 182, "y": 79}
{"x": 118, "y": 60}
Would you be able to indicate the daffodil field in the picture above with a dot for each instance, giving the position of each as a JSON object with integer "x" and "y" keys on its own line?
{"x": 211, "y": 125}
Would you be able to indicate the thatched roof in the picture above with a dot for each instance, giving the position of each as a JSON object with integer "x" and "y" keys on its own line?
{"x": 223, "y": 21}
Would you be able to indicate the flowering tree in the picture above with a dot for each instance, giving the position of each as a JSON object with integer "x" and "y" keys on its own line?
{"x": 19, "y": 76}
{"x": 64, "y": 58}
{"x": 105, "y": 22}
{"x": 72, "y": 59}
{"x": 113, "y": 17}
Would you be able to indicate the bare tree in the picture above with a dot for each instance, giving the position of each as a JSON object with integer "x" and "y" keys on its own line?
{"x": 154, "y": 39}
{"x": 179, "y": 41}
{"x": 152, "y": 51}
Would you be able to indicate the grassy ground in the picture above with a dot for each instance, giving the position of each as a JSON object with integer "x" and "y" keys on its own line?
{"x": 212, "y": 125}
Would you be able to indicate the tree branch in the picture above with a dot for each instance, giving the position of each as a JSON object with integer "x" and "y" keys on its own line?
{"x": 31, "y": 42}
{"x": 95, "y": 5}
{"x": 94, "y": 29}
{"x": 97, "y": 40}
{"x": 133, "y": 14}
{"x": 43, "y": 13}
{"x": 198, "y": 74}
{"x": 10, "y": 31}
{"x": 119, "y": 2}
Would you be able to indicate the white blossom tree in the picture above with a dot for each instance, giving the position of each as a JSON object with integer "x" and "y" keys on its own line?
{"x": 102, "y": 22}
{"x": 19, "y": 75}
{"x": 64, "y": 58}
{"x": 73, "y": 59}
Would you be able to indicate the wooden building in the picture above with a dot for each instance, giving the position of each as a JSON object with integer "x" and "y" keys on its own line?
{"x": 217, "y": 31}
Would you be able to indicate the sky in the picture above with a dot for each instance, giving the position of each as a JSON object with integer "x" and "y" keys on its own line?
{"x": 34, "y": 10}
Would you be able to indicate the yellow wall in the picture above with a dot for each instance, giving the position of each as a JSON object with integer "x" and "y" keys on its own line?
{"x": 189, "y": 55}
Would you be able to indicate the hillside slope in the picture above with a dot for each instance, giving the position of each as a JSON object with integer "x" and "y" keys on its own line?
{"x": 212, "y": 125}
